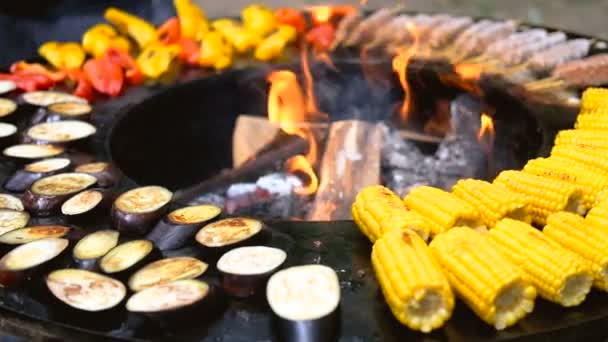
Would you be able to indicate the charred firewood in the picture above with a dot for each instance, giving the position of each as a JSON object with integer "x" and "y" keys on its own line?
{"x": 447, "y": 31}
{"x": 367, "y": 28}
{"x": 550, "y": 58}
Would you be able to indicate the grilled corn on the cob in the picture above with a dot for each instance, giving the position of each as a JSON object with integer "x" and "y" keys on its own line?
{"x": 411, "y": 280}
{"x": 544, "y": 195}
{"x": 587, "y": 139}
{"x": 491, "y": 201}
{"x": 558, "y": 274}
{"x": 593, "y": 99}
{"x": 571, "y": 232}
{"x": 378, "y": 210}
{"x": 590, "y": 157}
{"x": 491, "y": 285}
{"x": 442, "y": 209}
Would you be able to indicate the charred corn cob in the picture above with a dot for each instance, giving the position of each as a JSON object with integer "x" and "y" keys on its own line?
{"x": 571, "y": 232}
{"x": 491, "y": 285}
{"x": 414, "y": 288}
{"x": 590, "y": 181}
{"x": 544, "y": 195}
{"x": 558, "y": 274}
{"x": 587, "y": 139}
{"x": 589, "y": 157}
{"x": 492, "y": 202}
{"x": 378, "y": 210}
{"x": 442, "y": 209}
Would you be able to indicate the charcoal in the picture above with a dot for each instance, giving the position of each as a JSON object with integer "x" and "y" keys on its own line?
{"x": 561, "y": 53}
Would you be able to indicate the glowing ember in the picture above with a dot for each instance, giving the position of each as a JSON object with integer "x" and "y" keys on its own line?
{"x": 486, "y": 133}
{"x": 300, "y": 164}
{"x": 320, "y": 14}
{"x": 400, "y": 63}
{"x": 469, "y": 71}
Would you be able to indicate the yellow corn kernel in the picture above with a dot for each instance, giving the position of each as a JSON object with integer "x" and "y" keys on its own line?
{"x": 558, "y": 274}
{"x": 544, "y": 195}
{"x": 591, "y": 181}
{"x": 443, "y": 209}
{"x": 592, "y": 121}
{"x": 589, "y": 157}
{"x": 491, "y": 285}
{"x": 492, "y": 202}
{"x": 378, "y": 210}
{"x": 593, "y": 99}
{"x": 598, "y": 217}
{"x": 587, "y": 139}
{"x": 571, "y": 232}
{"x": 411, "y": 280}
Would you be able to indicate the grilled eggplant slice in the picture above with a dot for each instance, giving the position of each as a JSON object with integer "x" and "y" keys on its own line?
{"x": 220, "y": 236}
{"x": 60, "y": 132}
{"x": 177, "y": 228}
{"x": 47, "y": 194}
{"x": 7, "y": 87}
{"x": 107, "y": 174}
{"x": 166, "y": 270}
{"x": 7, "y": 107}
{"x": 29, "y": 234}
{"x": 32, "y": 151}
{"x": 23, "y": 179}
{"x": 10, "y": 202}
{"x": 31, "y": 259}
{"x": 90, "y": 249}
{"x": 136, "y": 211}
{"x": 176, "y": 303}
{"x": 63, "y": 111}
{"x": 87, "y": 206}
{"x": 305, "y": 300}
{"x": 126, "y": 258}
{"x": 8, "y": 134}
{"x": 12, "y": 219}
{"x": 45, "y": 98}
{"x": 245, "y": 270}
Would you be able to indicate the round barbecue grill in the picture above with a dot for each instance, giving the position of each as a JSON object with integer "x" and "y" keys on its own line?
{"x": 180, "y": 136}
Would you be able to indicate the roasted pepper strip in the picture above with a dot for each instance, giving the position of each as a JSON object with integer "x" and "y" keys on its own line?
{"x": 140, "y": 30}
{"x": 169, "y": 32}
{"x": 101, "y": 37}
{"x": 192, "y": 20}
{"x": 190, "y": 51}
{"x": 243, "y": 40}
{"x": 133, "y": 74}
{"x": 63, "y": 55}
{"x": 29, "y": 82}
{"x": 84, "y": 88}
{"x": 24, "y": 68}
{"x": 105, "y": 76}
{"x": 215, "y": 51}
{"x": 291, "y": 17}
{"x": 273, "y": 45}
{"x": 321, "y": 37}
{"x": 157, "y": 59}
{"x": 258, "y": 19}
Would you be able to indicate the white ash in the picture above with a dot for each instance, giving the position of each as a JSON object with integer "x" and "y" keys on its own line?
{"x": 209, "y": 198}
{"x": 240, "y": 189}
{"x": 279, "y": 184}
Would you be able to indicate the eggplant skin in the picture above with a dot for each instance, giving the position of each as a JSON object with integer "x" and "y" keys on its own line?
{"x": 107, "y": 176}
{"x": 324, "y": 329}
{"x": 21, "y": 180}
{"x": 167, "y": 235}
{"x": 43, "y": 205}
{"x": 135, "y": 224}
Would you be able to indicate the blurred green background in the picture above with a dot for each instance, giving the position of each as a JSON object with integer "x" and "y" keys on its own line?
{"x": 584, "y": 16}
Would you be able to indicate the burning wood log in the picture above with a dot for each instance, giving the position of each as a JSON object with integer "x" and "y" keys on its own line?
{"x": 351, "y": 162}
{"x": 251, "y": 134}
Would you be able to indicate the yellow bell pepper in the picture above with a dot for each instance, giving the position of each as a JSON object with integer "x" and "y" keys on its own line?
{"x": 192, "y": 20}
{"x": 259, "y": 19}
{"x": 63, "y": 55}
{"x": 140, "y": 30}
{"x": 215, "y": 51}
{"x": 242, "y": 39}
{"x": 273, "y": 45}
{"x": 101, "y": 37}
{"x": 157, "y": 59}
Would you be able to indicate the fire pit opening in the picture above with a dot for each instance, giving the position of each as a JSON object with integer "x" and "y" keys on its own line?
{"x": 300, "y": 142}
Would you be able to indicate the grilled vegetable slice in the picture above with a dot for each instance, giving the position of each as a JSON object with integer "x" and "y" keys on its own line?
{"x": 44, "y": 98}
{"x": 47, "y": 194}
{"x": 137, "y": 210}
{"x": 305, "y": 300}
{"x": 486, "y": 280}
{"x": 61, "y": 131}
{"x": 86, "y": 206}
{"x": 29, "y": 234}
{"x": 30, "y": 259}
{"x": 378, "y": 210}
{"x": 93, "y": 247}
{"x": 32, "y": 151}
{"x": 245, "y": 270}
{"x": 69, "y": 110}
{"x": 10, "y": 202}
{"x": 7, "y": 133}
{"x": 23, "y": 179}
{"x": 7, "y": 107}
{"x": 126, "y": 258}
{"x": 85, "y": 290}
{"x": 166, "y": 270}
{"x": 107, "y": 175}
{"x": 177, "y": 228}
{"x": 229, "y": 233}
{"x": 12, "y": 219}
{"x": 414, "y": 288}
{"x": 7, "y": 86}
{"x": 558, "y": 274}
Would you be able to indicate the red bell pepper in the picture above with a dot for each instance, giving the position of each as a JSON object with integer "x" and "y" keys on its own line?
{"x": 291, "y": 17}
{"x": 24, "y": 68}
{"x": 105, "y": 76}
{"x": 132, "y": 73}
{"x": 321, "y": 37}
{"x": 190, "y": 51}
{"x": 169, "y": 32}
{"x": 84, "y": 88}
{"x": 29, "y": 82}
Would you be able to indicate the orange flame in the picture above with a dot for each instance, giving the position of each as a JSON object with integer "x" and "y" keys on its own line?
{"x": 311, "y": 101}
{"x": 301, "y": 164}
{"x": 400, "y": 63}
{"x": 321, "y": 14}
{"x": 486, "y": 134}
{"x": 469, "y": 71}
